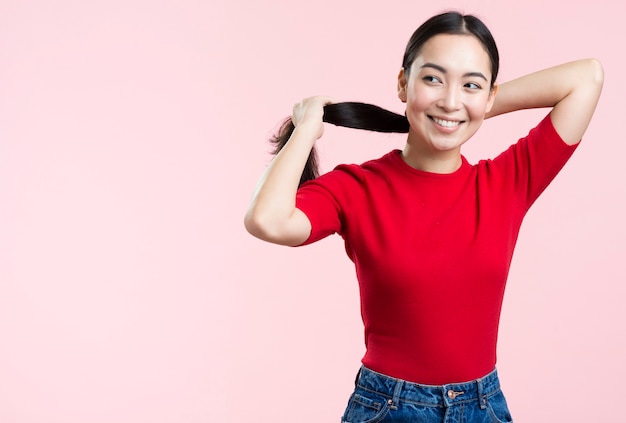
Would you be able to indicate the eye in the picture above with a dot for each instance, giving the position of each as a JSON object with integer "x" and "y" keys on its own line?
{"x": 431, "y": 79}
{"x": 473, "y": 86}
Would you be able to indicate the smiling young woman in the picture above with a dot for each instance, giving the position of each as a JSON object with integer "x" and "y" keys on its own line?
{"x": 447, "y": 91}
{"x": 431, "y": 235}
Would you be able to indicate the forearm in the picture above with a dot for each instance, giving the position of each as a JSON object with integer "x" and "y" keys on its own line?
{"x": 545, "y": 88}
{"x": 272, "y": 208}
{"x": 571, "y": 89}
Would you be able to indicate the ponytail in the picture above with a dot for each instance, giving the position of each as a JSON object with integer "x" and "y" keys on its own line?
{"x": 350, "y": 115}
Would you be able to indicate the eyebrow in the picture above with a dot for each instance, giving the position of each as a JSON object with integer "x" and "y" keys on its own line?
{"x": 443, "y": 70}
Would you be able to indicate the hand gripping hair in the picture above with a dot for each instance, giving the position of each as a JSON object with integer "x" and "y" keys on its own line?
{"x": 350, "y": 115}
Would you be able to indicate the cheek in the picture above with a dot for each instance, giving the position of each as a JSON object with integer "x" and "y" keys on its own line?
{"x": 418, "y": 101}
{"x": 478, "y": 107}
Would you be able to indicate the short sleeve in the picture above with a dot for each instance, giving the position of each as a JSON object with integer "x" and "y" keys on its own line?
{"x": 534, "y": 161}
{"x": 324, "y": 200}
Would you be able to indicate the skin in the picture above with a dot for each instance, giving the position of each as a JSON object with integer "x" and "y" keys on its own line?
{"x": 448, "y": 81}
{"x": 572, "y": 91}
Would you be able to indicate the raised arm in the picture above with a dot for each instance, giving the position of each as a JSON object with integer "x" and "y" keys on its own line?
{"x": 571, "y": 89}
{"x": 272, "y": 214}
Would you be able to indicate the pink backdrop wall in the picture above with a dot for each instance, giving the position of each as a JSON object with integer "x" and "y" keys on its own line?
{"x": 132, "y": 134}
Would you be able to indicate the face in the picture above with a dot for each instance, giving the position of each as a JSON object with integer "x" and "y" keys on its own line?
{"x": 447, "y": 93}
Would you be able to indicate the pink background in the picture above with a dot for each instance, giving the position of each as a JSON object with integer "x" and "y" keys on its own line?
{"x": 132, "y": 133}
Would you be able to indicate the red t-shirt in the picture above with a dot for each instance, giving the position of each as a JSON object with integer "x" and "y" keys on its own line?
{"x": 432, "y": 251}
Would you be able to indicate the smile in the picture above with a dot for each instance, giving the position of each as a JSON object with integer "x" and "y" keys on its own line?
{"x": 447, "y": 123}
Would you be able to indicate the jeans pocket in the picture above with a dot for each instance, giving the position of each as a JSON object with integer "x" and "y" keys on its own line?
{"x": 498, "y": 409}
{"x": 365, "y": 409}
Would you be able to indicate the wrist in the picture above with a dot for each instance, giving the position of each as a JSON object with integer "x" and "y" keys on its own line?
{"x": 309, "y": 130}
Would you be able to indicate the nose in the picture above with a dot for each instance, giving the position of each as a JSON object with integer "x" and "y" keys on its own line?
{"x": 450, "y": 99}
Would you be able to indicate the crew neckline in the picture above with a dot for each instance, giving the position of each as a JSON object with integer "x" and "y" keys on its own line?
{"x": 465, "y": 167}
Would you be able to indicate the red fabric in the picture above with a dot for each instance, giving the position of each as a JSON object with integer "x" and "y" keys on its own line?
{"x": 432, "y": 251}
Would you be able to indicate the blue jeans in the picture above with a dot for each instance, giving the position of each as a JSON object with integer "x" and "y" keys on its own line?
{"x": 380, "y": 398}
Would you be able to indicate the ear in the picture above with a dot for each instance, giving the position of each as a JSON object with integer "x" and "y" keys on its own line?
{"x": 492, "y": 98}
{"x": 402, "y": 86}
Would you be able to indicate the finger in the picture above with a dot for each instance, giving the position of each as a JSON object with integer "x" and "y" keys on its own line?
{"x": 327, "y": 100}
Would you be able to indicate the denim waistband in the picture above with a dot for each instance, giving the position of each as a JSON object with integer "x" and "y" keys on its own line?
{"x": 429, "y": 395}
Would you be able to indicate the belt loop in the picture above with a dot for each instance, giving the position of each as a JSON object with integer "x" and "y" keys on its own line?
{"x": 393, "y": 403}
{"x": 358, "y": 376}
{"x": 481, "y": 399}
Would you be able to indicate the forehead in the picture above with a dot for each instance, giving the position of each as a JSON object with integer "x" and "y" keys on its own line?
{"x": 463, "y": 53}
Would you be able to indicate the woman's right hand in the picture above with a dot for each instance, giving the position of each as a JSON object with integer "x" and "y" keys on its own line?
{"x": 309, "y": 113}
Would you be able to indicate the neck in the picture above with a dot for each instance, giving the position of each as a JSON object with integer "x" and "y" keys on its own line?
{"x": 448, "y": 161}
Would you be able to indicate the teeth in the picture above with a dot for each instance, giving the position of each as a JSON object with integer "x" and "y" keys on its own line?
{"x": 446, "y": 123}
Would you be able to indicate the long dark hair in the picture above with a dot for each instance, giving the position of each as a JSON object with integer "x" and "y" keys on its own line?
{"x": 373, "y": 118}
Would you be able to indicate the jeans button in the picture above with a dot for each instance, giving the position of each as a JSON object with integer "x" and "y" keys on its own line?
{"x": 453, "y": 394}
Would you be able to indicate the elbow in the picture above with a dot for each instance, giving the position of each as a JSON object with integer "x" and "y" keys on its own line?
{"x": 595, "y": 72}
{"x": 262, "y": 226}
{"x": 595, "y": 80}
{"x": 254, "y": 225}
{"x": 267, "y": 227}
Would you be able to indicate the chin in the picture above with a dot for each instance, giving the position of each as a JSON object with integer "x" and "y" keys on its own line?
{"x": 448, "y": 145}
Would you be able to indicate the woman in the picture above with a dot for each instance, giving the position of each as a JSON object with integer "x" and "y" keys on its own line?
{"x": 431, "y": 236}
